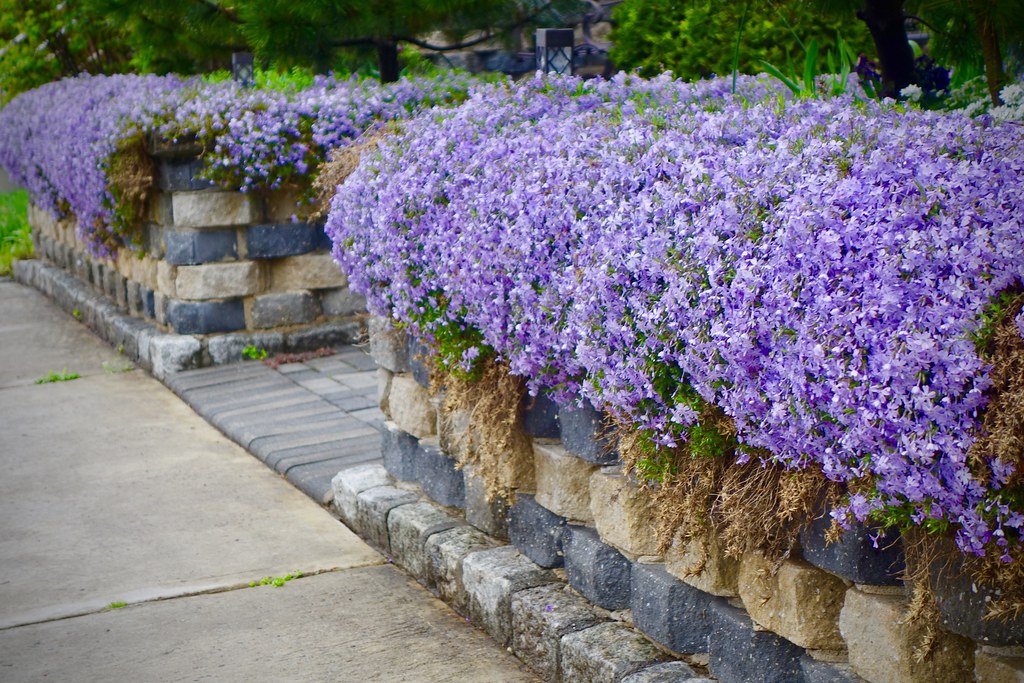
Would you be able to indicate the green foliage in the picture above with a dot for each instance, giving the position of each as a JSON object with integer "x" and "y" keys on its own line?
{"x": 840, "y": 63}
{"x": 254, "y": 352}
{"x": 698, "y": 38}
{"x": 117, "y": 605}
{"x": 275, "y": 581}
{"x": 52, "y": 377}
{"x": 15, "y": 237}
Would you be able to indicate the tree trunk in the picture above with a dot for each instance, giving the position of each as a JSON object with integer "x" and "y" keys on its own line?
{"x": 994, "y": 74}
{"x": 387, "y": 60}
{"x": 884, "y": 19}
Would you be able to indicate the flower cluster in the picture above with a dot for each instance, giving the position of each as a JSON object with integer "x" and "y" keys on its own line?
{"x": 817, "y": 269}
{"x": 60, "y": 140}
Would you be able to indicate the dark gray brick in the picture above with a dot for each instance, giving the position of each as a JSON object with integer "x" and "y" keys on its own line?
{"x": 176, "y": 175}
{"x": 188, "y": 247}
{"x": 438, "y": 477}
{"x": 205, "y": 317}
{"x": 597, "y": 570}
{"x": 399, "y": 451}
{"x": 669, "y": 611}
{"x": 341, "y": 302}
{"x": 282, "y": 239}
{"x": 739, "y": 654}
{"x": 536, "y": 531}
{"x": 583, "y": 434}
{"x": 285, "y": 308}
{"x": 420, "y": 359}
{"x": 540, "y": 416}
{"x": 963, "y": 603}
{"x": 148, "y": 302}
{"x": 856, "y": 556}
{"x": 328, "y": 334}
{"x": 824, "y": 672}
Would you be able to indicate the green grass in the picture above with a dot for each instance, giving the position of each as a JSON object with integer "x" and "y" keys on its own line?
{"x": 276, "y": 581}
{"x": 52, "y": 377}
{"x": 15, "y": 242}
{"x": 117, "y": 605}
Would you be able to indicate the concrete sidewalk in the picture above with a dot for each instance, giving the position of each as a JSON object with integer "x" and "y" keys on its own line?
{"x": 115, "y": 491}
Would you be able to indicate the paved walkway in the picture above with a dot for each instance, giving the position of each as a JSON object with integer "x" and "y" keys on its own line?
{"x": 114, "y": 491}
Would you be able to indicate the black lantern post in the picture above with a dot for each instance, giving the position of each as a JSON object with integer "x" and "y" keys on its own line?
{"x": 242, "y": 69}
{"x": 554, "y": 50}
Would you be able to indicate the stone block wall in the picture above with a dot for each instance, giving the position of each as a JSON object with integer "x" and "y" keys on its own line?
{"x": 214, "y": 262}
{"x": 831, "y": 612}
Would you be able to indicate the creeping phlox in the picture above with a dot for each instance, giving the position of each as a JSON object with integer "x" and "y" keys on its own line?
{"x": 817, "y": 269}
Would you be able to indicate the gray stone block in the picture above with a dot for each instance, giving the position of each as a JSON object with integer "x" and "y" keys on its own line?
{"x": 540, "y": 617}
{"x": 372, "y": 508}
{"x": 399, "y": 451}
{"x": 409, "y": 527}
{"x": 963, "y": 603}
{"x": 133, "y": 292}
{"x": 491, "y": 577}
{"x": 420, "y": 360}
{"x": 739, "y": 654}
{"x": 282, "y": 239}
{"x": 669, "y": 611}
{"x": 205, "y": 317}
{"x": 825, "y": 672}
{"x": 189, "y": 247}
{"x": 536, "y": 531}
{"x": 228, "y": 348}
{"x": 445, "y": 551}
{"x": 148, "y": 302}
{"x": 490, "y": 516}
{"x": 583, "y": 434}
{"x": 175, "y": 175}
{"x": 341, "y": 301}
{"x": 597, "y": 570}
{"x": 855, "y": 556}
{"x": 540, "y": 416}
{"x": 605, "y": 653}
{"x": 170, "y": 353}
{"x": 388, "y": 347}
{"x": 438, "y": 476}
{"x": 284, "y": 308}
{"x": 666, "y": 672}
{"x": 340, "y": 333}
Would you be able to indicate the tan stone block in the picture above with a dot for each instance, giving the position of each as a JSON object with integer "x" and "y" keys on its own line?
{"x": 410, "y": 408}
{"x": 383, "y": 388}
{"x": 206, "y": 209}
{"x": 799, "y": 602}
{"x": 622, "y": 512}
{"x": 146, "y": 272}
{"x": 166, "y": 275}
{"x": 563, "y": 481}
{"x": 702, "y": 563}
{"x": 881, "y": 645}
{"x": 308, "y": 271}
{"x": 282, "y": 204}
{"x": 452, "y": 431}
{"x": 995, "y": 668}
{"x": 218, "y": 280}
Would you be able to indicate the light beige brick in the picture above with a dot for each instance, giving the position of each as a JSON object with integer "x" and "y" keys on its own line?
{"x": 799, "y": 602}
{"x": 218, "y": 280}
{"x": 563, "y": 481}
{"x": 881, "y": 644}
{"x": 282, "y": 204}
{"x": 308, "y": 271}
{"x": 146, "y": 272}
{"x": 166, "y": 275}
{"x": 995, "y": 668}
{"x": 622, "y": 512}
{"x": 702, "y": 563}
{"x": 205, "y": 209}
{"x": 410, "y": 408}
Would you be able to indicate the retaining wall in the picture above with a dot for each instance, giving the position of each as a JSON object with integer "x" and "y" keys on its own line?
{"x": 832, "y": 612}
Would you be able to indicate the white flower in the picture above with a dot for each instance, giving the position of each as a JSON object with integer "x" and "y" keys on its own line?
{"x": 912, "y": 92}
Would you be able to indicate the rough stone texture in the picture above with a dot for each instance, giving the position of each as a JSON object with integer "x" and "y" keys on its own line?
{"x": 563, "y": 481}
{"x": 800, "y": 602}
{"x": 491, "y": 577}
{"x": 598, "y": 571}
{"x": 170, "y": 353}
{"x": 584, "y": 434}
{"x": 445, "y": 551}
{"x": 739, "y": 654}
{"x": 372, "y": 507}
{"x": 490, "y": 516}
{"x": 881, "y": 646}
{"x": 166, "y": 275}
{"x": 281, "y": 239}
{"x": 622, "y": 512}
{"x": 702, "y": 563}
{"x": 205, "y": 317}
{"x": 855, "y": 556}
{"x": 669, "y": 611}
{"x": 540, "y": 416}
{"x": 605, "y": 653}
{"x": 217, "y": 281}
{"x": 410, "y": 407}
{"x": 228, "y": 348}
{"x": 409, "y": 527}
{"x": 175, "y": 175}
{"x": 188, "y": 247}
{"x": 326, "y": 334}
{"x": 134, "y": 296}
{"x": 827, "y": 672}
{"x": 308, "y": 271}
{"x": 211, "y": 209}
{"x": 349, "y": 483}
{"x": 438, "y": 476}
{"x": 399, "y": 450}
{"x": 451, "y": 430}
{"x": 540, "y": 617}
{"x": 284, "y": 308}
{"x": 963, "y": 604}
{"x": 388, "y": 346}
{"x": 536, "y": 531}
{"x": 666, "y": 672}
{"x": 993, "y": 668}
{"x": 340, "y": 301}
{"x": 419, "y": 357}
{"x": 383, "y": 388}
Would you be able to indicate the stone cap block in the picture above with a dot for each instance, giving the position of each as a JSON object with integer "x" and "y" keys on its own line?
{"x": 606, "y": 652}
{"x": 211, "y": 209}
